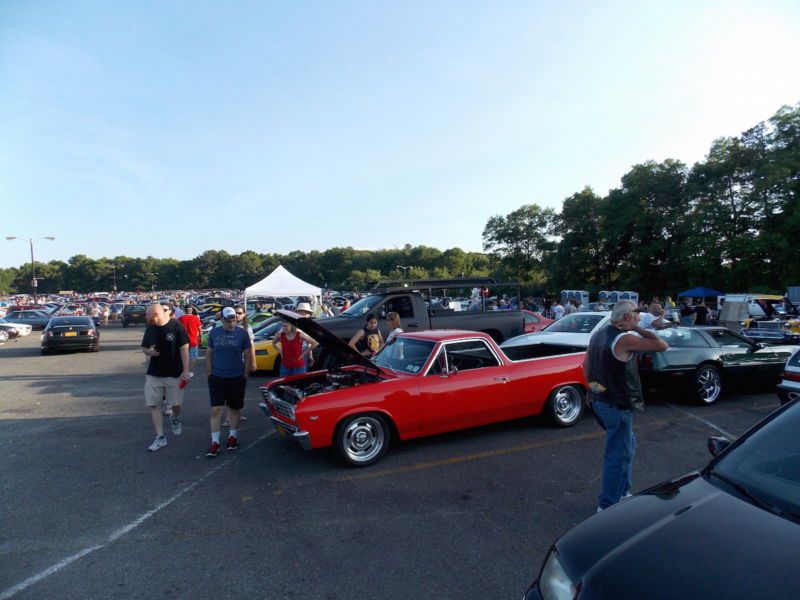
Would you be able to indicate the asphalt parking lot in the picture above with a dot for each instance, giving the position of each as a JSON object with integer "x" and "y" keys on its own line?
{"x": 87, "y": 512}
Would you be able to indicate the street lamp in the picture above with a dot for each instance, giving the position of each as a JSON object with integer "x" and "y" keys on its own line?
{"x": 33, "y": 263}
{"x": 152, "y": 281}
{"x": 114, "y": 276}
{"x": 404, "y": 270}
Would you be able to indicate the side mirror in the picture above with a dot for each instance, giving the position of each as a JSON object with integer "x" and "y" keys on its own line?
{"x": 717, "y": 443}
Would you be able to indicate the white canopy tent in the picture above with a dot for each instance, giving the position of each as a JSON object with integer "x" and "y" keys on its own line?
{"x": 282, "y": 283}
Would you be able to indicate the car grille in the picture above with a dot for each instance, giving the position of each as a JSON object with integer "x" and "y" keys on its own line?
{"x": 284, "y": 409}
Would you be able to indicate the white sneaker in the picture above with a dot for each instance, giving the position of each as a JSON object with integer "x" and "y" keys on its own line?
{"x": 191, "y": 374}
{"x": 177, "y": 426}
{"x": 157, "y": 444}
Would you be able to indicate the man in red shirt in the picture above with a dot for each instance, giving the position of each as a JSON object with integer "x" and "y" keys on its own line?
{"x": 191, "y": 323}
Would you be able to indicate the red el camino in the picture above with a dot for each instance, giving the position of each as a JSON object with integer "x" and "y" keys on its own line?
{"x": 420, "y": 384}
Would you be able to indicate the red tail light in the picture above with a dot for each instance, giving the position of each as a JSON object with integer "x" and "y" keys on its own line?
{"x": 791, "y": 376}
{"x": 646, "y": 360}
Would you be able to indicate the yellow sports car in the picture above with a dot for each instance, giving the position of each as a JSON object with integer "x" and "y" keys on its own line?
{"x": 267, "y": 356}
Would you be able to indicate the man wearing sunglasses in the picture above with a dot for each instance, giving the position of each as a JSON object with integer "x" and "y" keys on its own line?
{"x": 228, "y": 364}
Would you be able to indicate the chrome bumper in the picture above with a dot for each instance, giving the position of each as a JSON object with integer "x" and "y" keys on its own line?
{"x": 286, "y": 430}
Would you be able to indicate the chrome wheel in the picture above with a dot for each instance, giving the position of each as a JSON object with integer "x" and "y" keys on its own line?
{"x": 363, "y": 440}
{"x": 708, "y": 384}
{"x": 566, "y": 405}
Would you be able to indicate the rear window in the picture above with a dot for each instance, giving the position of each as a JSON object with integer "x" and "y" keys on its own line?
{"x": 795, "y": 359}
{"x": 67, "y": 321}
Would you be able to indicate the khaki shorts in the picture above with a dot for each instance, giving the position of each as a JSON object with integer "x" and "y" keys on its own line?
{"x": 156, "y": 388}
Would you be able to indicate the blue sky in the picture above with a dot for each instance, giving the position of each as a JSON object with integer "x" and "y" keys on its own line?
{"x": 168, "y": 128}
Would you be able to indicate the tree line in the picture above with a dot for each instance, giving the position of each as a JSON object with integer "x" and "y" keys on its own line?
{"x": 729, "y": 222}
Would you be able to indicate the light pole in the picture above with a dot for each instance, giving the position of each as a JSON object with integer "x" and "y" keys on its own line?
{"x": 152, "y": 281}
{"x": 114, "y": 276}
{"x": 404, "y": 270}
{"x": 33, "y": 263}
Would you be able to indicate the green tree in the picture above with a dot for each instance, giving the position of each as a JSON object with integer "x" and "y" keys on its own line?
{"x": 521, "y": 239}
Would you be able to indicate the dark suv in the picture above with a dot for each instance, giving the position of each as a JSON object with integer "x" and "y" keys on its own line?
{"x": 133, "y": 313}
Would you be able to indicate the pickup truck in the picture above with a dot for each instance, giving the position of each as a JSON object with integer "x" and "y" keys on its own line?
{"x": 415, "y": 316}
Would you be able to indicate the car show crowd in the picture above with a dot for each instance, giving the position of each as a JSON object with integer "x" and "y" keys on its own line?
{"x": 567, "y": 356}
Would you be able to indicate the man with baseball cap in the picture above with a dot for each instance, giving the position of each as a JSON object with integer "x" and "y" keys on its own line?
{"x": 228, "y": 364}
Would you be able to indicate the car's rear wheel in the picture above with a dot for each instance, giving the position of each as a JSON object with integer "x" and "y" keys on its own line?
{"x": 565, "y": 405}
{"x": 3, "y": 336}
{"x": 124, "y": 323}
{"x": 707, "y": 384}
{"x": 362, "y": 440}
{"x": 45, "y": 351}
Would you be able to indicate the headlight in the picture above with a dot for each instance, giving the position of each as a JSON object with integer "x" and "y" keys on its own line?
{"x": 554, "y": 583}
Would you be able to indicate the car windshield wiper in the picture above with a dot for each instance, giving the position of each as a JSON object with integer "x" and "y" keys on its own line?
{"x": 754, "y": 498}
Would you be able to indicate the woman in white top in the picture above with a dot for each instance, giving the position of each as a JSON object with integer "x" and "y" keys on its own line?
{"x": 394, "y": 325}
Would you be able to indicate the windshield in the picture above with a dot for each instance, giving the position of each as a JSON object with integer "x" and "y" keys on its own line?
{"x": 268, "y": 330}
{"x": 404, "y": 354}
{"x": 767, "y": 465}
{"x": 576, "y": 323}
{"x": 362, "y": 307}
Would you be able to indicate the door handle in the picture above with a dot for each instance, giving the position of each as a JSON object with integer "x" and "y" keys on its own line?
{"x": 503, "y": 379}
{"x": 412, "y": 325}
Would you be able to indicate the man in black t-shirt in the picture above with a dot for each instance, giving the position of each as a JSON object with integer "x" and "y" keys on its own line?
{"x": 166, "y": 343}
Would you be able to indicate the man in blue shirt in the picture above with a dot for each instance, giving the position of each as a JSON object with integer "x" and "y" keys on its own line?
{"x": 228, "y": 364}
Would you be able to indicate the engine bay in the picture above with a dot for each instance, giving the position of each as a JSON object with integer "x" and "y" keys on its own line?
{"x": 328, "y": 381}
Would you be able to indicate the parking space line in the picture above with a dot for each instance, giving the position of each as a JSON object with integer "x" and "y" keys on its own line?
{"x": 470, "y": 457}
{"x": 13, "y": 591}
{"x": 704, "y": 421}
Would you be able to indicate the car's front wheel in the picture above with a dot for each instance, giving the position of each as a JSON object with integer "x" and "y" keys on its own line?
{"x": 707, "y": 384}
{"x": 565, "y": 405}
{"x": 3, "y": 336}
{"x": 362, "y": 440}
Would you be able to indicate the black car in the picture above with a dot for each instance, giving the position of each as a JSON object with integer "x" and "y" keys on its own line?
{"x": 70, "y": 333}
{"x": 134, "y": 313}
{"x": 729, "y": 531}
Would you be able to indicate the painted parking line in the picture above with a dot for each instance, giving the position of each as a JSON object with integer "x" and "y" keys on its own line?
{"x": 471, "y": 457}
{"x": 122, "y": 531}
{"x": 706, "y": 422}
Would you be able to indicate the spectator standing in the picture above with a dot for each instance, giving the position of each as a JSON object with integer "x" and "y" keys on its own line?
{"x": 96, "y": 313}
{"x": 612, "y": 375}
{"x": 687, "y": 314}
{"x": 228, "y": 365}
{"x": 106, "y": 312}
{"x": 368, "y": 340}
{"x": 294, "y": 347}
{"x": 193, "y": 326}
{"x": 701, "y": 314}
{"x": 668, "y": 303}
{"x": 654, "y": 319}
{"x": 393, "y": 321}
{"x": 166, "y": 344}
{"x": 557, "y": 310}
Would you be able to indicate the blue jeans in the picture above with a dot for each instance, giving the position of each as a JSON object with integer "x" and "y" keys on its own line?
{"x": 619, "y": 452}
{"x": 296, "y": 371}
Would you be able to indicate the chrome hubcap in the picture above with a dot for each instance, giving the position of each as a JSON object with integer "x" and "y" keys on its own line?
{"x": 708, "y": 385}
{"x": 363, "y": 439}
{"x": 567, "y": 405}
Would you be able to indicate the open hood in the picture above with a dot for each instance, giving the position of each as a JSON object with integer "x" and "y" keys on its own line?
{"x": 332, "y": 343}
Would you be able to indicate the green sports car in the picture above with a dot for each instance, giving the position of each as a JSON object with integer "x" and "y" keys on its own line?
{"x": 706, "y": 360}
